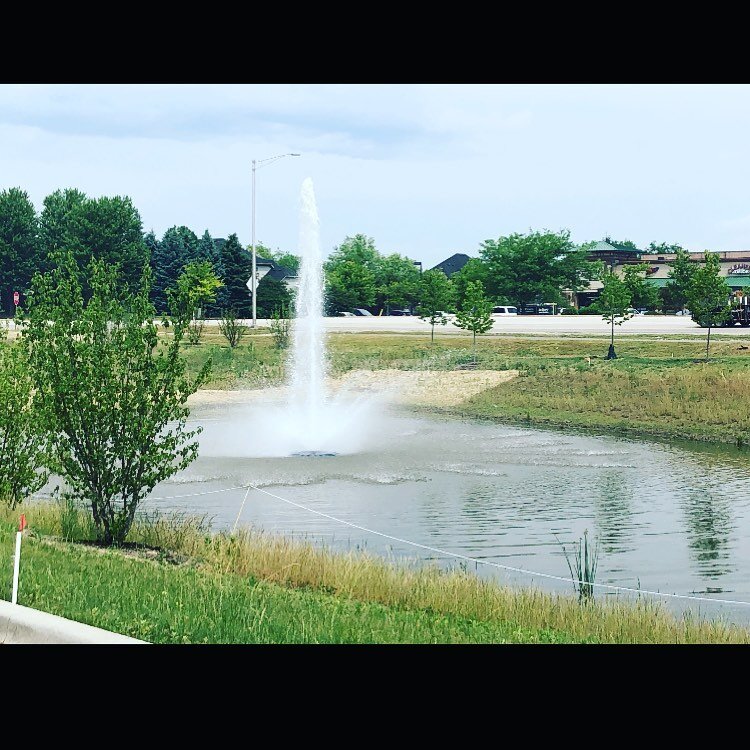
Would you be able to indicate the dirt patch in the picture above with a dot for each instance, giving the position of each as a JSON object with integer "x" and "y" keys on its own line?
{"x": 410, "y": 387}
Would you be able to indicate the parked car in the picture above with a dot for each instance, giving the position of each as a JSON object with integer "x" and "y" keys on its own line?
{"x": 503, "y": 310}
{"x": 400, "y": 312}
{"x": 361, "y": 311}
{"x": 346, "y": 314}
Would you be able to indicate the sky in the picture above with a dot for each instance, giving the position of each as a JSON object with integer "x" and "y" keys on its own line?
{"x": 426, "y": 170}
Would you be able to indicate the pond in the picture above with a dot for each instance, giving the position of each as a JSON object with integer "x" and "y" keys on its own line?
{"x": 668, "y": 518}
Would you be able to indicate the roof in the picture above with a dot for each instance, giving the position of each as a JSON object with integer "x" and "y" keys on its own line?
{"x": 608, "y": 245}
{"x": 453, "y": 264}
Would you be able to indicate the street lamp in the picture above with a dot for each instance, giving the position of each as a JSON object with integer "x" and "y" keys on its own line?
{"x": 258, "y": 165}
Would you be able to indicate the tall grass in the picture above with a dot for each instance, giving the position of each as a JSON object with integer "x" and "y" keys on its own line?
{"x": 359, "y": 577}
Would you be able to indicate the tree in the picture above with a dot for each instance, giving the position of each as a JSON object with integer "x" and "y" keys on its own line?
{"x": 642, "y": 292}
{"x": 289, "y": 261}
{"x": 349, "y": 285}
{"x": 680, "y": 275}
{"x": 272, "y": 295}
{"x": 708, "y": 296}
{"x": 614, "y": 302}
{"x": 238, "y": 270}
{"x": 22, "y": 437}
{"x": 108, "y": 228}
{"x": 396, "y": 282}
{"x": 535, "y": 268}
{"x": 20, "y": 252}
{"x": 112, "y": 399}
{"x": 474, "y": 270}
{"x": 435, "y": 298}
{"x": 475, "y": 313}
{"x": 351, "y": 273}
{"x": 177, "y": 248}
{"x": 195, "y": 288}
{"x": 207, "y": 250}
{"x": 622, "y": 243}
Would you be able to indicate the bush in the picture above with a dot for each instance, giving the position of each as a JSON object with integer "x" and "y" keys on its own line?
{"x": 592, "y": 309}
{"x": 569, "y": 311}
{"x": 21, "y": 429}
{"x": 231, "y": 328}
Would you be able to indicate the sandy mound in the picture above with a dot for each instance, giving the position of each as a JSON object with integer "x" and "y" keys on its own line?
{"x": 417, "y": 387}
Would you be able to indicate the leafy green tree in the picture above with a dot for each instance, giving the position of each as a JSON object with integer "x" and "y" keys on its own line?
{"x": 662, "y": 248}
{"x": 435, "y": 297}
{"x": 351, "y": 273}
{"x": 708, "y": 296}
{"x": 20, "y": 251}
{"x": 535, "y": 268}
{"x": 614, "y": 302}
{"x": 680, "y": 275}
{"x": 108, "y": 228}
{"x": 397, "y": 282}
{"x": 642, "y": 292}
{"x": 272, "y": 295}
{"x": 349, "y": 285}
{"x": 112, "y": 399}
{"x": 238, "y": 270}
{"x": 196, "y": 287}
{"x": 623, "y": 243}
{"x": 208, "y": 250}
{"x": 22, "y": 434}
{"x": 475, "y": 312}
{"x": 474, "y": 270}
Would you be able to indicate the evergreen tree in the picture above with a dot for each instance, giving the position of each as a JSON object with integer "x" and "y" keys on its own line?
{"x": 208, "y": 250}
{"x": 273, "y": 296}
{"x": 177, "y": 248}
{"x": 20, "y": 252}
{"x": 237, "y": 265}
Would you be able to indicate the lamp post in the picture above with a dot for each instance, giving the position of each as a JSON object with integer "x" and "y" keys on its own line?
{"x": 258, "y": 165}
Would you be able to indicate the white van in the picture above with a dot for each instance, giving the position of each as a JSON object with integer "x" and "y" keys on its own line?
{"x": 503, "y": 310}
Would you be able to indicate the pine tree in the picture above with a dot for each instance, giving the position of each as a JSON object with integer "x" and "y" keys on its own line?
{"x": 237, "y": 265}
{"x": 177, "y": 248}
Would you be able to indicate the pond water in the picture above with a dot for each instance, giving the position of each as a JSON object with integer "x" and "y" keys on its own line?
{"x": 668, "y": 518}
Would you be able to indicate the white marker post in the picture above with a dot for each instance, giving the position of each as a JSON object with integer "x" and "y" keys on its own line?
{"x": 17, "y": 558}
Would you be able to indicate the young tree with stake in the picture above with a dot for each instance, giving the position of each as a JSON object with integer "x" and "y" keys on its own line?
{"x": 435, "y": 296}
{"x": 614, "y": 302}
{"x": 475, "y": 312}
{"x": 707, "y": 296}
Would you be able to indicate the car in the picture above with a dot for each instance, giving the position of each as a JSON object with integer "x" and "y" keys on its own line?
{"x": 361, "y": 311}
{"x": 633, "y": 311}
{"x": 400, "y": 312}
{"x": 346, "y": 314}
{"x": 504, "y": 310}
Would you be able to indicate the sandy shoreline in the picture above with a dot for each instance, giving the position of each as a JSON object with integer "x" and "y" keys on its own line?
{"x": 411, "y": 387}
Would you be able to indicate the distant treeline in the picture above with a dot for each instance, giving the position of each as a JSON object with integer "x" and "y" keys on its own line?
{"x": 111, "y": 228}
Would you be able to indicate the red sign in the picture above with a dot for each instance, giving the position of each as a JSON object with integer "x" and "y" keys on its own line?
{"x": 22, "y": 522}
{"x": 16, "y": 298}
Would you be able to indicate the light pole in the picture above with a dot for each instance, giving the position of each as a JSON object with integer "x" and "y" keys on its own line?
{"x": 258, "y": 165}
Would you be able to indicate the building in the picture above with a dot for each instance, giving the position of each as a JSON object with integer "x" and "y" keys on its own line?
{"x": 266, "y": 267}
{"x": 734, "y": 266}
{"x": 453, "y": 264}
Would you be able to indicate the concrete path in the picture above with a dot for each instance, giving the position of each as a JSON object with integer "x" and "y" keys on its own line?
{"x": 20, "y": 624}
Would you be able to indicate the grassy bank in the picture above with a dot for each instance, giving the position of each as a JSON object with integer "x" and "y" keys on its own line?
{"x": 181, "y": 584}
{"x": 657, "y": 386}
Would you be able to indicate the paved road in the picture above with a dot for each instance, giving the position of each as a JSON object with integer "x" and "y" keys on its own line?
{"x": 541, "y": 325}
{"x": 538, "y": 325}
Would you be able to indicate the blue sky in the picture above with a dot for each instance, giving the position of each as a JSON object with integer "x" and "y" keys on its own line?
{"x": 426, "y": 170}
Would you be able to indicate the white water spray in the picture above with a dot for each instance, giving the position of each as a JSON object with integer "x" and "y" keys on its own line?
{"x": 312, "y": 421}
{"x": 308, "y": 358}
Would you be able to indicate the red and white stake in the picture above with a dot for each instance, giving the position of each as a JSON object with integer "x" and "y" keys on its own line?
{"x": 17, "y": 558}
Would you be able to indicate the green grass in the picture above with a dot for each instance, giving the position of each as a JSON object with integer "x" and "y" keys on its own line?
{"x": 184, "y": 585}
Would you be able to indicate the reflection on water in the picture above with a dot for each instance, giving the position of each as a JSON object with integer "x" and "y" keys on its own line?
{"x": 709, "y": 525}
{"x": 667, "y": 517}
